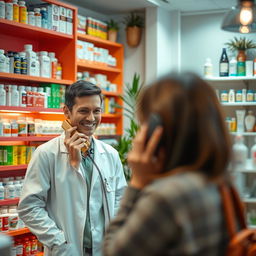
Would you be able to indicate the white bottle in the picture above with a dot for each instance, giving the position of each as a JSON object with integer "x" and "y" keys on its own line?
{"x": 208, "y": 68}
{"x": 7, "y": 64}
{"x": 31, "y": 60}
{"x": 4, "y": 216}
{"x": 253, "y": 154}
{"x": 9, "y": 190}
{"x": 31, "y": 18}
{"x": 37, "y": 67}
{"x": 45, "y": 65}
{"x": 240, "y": 152}
{"x": 13, "y": 218}
{"x": 1, "y": 191}
{"x": 15, "y": 96}
{"x": 231, "y": 96}
{"x": 2, "y": 95}
{"x": 14, "y": 127}
{"x": 2, "y": 61}
{"x": 38, "y": 17}
{"x": 249, "y": 121}
{"x": 8, "y": 88}
{"x": 233, "y": 67}
{"x": 17, "y": 186}
{"x": 53, "y": 65}
{"x": 9, "y": 11}
{"x": 2, "y": 9}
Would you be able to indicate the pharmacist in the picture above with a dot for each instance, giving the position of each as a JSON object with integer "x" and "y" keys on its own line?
{"x": 68, "y": 197}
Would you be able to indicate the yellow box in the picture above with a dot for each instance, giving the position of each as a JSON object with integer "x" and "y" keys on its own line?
{"x": 15, "y": 155}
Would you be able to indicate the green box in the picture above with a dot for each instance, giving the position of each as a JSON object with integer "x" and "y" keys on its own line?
{"x": 9, "y": 150}
{"x": 1, "y": 155}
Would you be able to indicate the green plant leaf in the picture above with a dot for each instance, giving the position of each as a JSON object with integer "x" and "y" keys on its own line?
{"x": 238, "y": 44}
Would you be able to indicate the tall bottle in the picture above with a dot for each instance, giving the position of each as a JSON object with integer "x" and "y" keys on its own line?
{"x": 249, "y": 121}
{"x": 31, "y": 59}
{"x": 240, "y": 152}
{"x": 233, "y": 67}
{"x": 241, "y": 58}
{"x": 224, "y": 63}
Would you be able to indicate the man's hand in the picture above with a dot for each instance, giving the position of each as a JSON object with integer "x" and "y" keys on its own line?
{"x": 74, "y": 141}
{"x": 145, "y": 165}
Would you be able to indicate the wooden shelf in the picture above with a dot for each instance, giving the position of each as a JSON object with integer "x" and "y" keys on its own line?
{"x": 95, "y": 66}
{"x": 31, "y": 109}
{"x": 244, "y": 133}
{"x": 4, "y": 168}
{"x": 18, "y": 232}
{"x": 28, "y": 138}
{"x": 98, "y": 41}
{"x": 26, "y": 78}
{"x": 238, "y": 104}
{"x": 230, "y": 78}
{"x": 10, "y": 27}
{"x": 13, "y": 201}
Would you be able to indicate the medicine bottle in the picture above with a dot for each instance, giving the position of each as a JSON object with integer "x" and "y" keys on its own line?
{"x": 2, "y": 9}
{"x": 16, "y": 63}
{"x": 2, "y": 95}
{"x": 2, "y": 61}
{"x": 44, "y": 15}
{"x": 15, "y": 96}
{"x": 31, "y": 18}
{"x": 23, "y": 63}
{"x": 31, "y": 60}
{"x": 1, "y": 191}
{"x": 9, "y": 10}
{"x": 6, "y": 128}
{"x": 208, "y": 68}
{"x": 22, "y": 96}
{"x": 38, "y": 17}
{"x": 14, "y": 128}
{"x": 16, "y": 11}
{"x": 19, "y": 247}
{"x": 53, "y": 64}
{"x": 59, "y": 71}
{"x": 23, "y": 12}
{"x": 13, "y": 218}
{"x": 44, "y": 64}
{"x": 22, "y": 127}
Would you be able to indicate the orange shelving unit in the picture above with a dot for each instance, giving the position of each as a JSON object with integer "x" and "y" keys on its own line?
{"x": 13, "y": 38}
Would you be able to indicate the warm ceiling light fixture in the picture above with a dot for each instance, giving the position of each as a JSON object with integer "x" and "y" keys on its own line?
{"x": 241, "y": 18}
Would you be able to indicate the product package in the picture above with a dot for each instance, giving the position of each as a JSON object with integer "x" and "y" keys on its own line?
{"x": 69, "y": 22}
{"x": 63, "y": 17}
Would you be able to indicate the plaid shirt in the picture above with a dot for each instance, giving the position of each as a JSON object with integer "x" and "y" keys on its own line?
{"x": 177, "y": 215}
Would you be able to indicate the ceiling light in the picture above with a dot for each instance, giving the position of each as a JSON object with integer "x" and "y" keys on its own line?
{"x": 242, "y": 18}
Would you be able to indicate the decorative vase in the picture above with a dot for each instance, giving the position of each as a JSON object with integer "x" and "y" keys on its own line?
{"x": 112, "y": 35}
{"x": 241, "y": 56}
{"x": 133, "y": 36}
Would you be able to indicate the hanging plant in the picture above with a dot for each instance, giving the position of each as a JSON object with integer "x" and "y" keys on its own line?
{"x": 240, "y": 44}
{"x": 134, "y": 24}
{"x": 113, "y": 28}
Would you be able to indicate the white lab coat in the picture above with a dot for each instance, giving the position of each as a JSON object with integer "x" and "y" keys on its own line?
{"x": 54, "y": 197}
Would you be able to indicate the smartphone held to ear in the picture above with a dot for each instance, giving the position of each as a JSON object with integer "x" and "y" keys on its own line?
{"x": 67, "y": 125}
{"x": 153, "y": 122}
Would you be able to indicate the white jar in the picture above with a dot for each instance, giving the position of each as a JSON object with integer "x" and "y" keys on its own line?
{"x": 1, "y": 191}
{"x": 31, "y": 59}
{"x": 2, "y": 61}
{"x": 2, "y": 9}
{"x": 9, "y": 11}
{"x": 15, "y": 96}
{"x": 9, "y": 190}
{"x": 2, "y": 95}
{"x": 45, "y": 64}
{"x": 31, "y": 18}
{"x": 37, "y": 67}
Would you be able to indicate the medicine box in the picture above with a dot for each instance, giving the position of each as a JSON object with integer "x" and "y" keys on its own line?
{"x": 69, "y": 22}
{"x": 81, "y": 24}
{"x": 63, "y": 17}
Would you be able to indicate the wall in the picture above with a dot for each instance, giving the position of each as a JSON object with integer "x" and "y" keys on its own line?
{"x": 202, "y": 37}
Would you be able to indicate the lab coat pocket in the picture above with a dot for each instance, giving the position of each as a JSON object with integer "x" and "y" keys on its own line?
{"x": 109, "y": 183}
{"x": 65, "y": 249}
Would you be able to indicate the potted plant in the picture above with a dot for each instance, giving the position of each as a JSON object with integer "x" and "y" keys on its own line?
{"x": 241, "y": 45}
{"x": 134, "y": 24}
{"x": 113, "y": 28}
{"x": 124, "y": 144}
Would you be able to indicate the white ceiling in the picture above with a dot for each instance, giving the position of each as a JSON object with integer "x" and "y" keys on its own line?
{"x": 122, "y": 6}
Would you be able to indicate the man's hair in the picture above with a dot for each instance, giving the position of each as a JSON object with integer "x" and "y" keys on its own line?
{"x": 79, "y": 89}
{"x": 194, "y": 133}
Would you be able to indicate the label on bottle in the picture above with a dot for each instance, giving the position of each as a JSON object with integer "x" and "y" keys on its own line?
{"x": 224, "y": 69}
{"x": 13, "y": 221}
{"x": 16, "y": 14}
{"x": 16, "y": 65}
{"x": 233, "y": 69}
{"x": 23, "y": 66}
{"x": 9, "y": 11}
{"x": 23, "y": 15}
{"x": 240, "y": 68}
{"x": 2, "y": 63}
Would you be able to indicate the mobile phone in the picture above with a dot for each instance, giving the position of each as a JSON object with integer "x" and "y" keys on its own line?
{"x": 67, "y": 125}
{"x": 154, "y": 121}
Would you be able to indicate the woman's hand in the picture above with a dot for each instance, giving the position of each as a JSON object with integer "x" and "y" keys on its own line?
{"x": 74, "y": 141}
{"x": 144, "y": 163}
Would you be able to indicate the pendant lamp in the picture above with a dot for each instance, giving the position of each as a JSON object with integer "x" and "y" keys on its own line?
{"x": 242, "y": 18}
